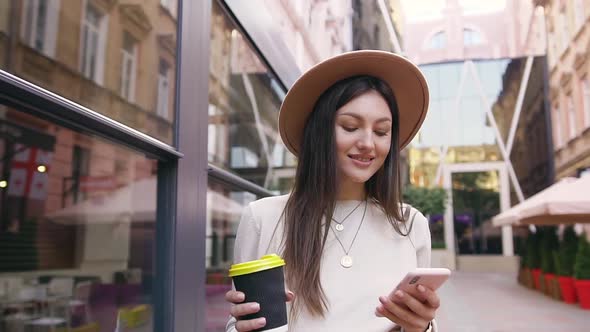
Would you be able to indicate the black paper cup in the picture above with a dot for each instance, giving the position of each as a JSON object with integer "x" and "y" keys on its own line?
{"x": 263, "y": 281}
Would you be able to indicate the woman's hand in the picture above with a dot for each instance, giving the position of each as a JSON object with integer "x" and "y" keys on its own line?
{"x": 240, "y": 309}
{"x": 411, "y": 310}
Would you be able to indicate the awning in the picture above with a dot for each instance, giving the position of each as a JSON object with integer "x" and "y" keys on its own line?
{"x": 569, "y": 204}
{"x": 513, "y": 215}
{"x": 135, "y": 202}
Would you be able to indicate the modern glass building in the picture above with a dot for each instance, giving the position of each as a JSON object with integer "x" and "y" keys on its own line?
{"x": 486, "y": 141}
{"x": 132, "y": 134}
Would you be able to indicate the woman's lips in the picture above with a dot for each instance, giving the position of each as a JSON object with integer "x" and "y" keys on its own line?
{"x": 361, "y": 161}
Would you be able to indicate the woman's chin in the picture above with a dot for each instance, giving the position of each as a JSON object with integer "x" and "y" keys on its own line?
{"x": 360, "y": 179}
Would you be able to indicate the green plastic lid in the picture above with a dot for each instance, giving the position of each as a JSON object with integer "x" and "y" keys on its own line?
{"x": 265, "y": 263}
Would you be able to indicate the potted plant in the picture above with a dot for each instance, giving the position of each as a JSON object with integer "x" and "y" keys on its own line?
{"x": 582, "y": 272}
{"x": 566, "y": 256}
{"x": 548, "y": 246}
{"x": 556, "y": 288}
{"x": 533, "y": 257}
{"x": 525, "y": 276}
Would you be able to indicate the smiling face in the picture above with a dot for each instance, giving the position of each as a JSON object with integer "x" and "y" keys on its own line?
{"x": 363, "y": 137}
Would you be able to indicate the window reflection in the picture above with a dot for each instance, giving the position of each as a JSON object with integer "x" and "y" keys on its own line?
{"x": 224, "y": 209}
{"x": 460, "y": 92}
{"x": 471, "y": 37}
{"x": 117, "y": 58}
{"x": 77, "y": 230}
{"x": 244, "y": 101}
{"x": 438, "y": 40}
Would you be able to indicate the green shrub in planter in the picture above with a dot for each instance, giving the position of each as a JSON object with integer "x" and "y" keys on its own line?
{"x": 532, "y": 257}
{"x": 549, "y": 244}
{"x": 582, "y": 264}
{"x": 556, "y": 261}
{"x": 566, "y": 254}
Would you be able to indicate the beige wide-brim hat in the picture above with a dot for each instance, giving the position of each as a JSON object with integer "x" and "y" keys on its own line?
{"x": 404, "y": 78}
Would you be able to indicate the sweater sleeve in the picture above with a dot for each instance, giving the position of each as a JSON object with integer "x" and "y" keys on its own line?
{"x": 422, "y": 239}
{"x": 423, "y": 246}
{"x": 245, "y": 247}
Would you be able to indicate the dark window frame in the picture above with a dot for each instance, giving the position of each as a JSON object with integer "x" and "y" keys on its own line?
{"x": 183, "y": 171}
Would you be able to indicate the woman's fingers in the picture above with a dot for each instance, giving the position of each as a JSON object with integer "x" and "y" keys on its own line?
{"x": 382, "y": 312}
{"x": 426, "y": 294}
{"x": 251, "y": 324}
{"x": 424, "y": 310}
{"x": 240, "y": 310}
{"x": 239, "y": 297}
{"x": 400, "y": 315}
{"x": 412, "y": 310}
{"x": 235, "y": 297}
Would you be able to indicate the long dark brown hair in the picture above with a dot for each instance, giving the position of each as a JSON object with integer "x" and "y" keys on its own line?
{"x": 314, "y": 194}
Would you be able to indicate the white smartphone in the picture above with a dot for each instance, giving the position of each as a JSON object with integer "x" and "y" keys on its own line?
{"x": 432, "y": 278}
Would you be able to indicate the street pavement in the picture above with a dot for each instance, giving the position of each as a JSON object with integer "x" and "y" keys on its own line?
{"x": 475, "y": 302}
{"x": 494, "y": 302}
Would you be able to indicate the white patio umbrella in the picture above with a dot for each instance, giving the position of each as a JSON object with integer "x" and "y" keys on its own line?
{"x": 135, "y": 202}
{"x": 569, "y": 204}
{"x": 513, "y": 215}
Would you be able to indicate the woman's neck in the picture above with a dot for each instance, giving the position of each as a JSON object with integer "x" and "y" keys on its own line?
{"x": 351, "y": 191}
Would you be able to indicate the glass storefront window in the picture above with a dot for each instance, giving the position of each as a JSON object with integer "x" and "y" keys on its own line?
{"x": 457, "y": 129}
{"x": 476, "y": 199}
{"x": 244, "y": 101}
{"x": 104, "y": 55}
{"x": 77, "y": 230}
{"x": 224, "y": 209}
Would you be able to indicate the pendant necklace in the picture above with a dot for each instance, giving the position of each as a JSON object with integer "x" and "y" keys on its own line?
{"x": 340, "y": 224}
{"x": 346, "y": 260}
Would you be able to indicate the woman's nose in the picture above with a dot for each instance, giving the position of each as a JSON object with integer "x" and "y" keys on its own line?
{"x": 366, "y": 140}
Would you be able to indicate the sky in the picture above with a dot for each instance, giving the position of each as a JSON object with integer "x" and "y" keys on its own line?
{"x": 418, "y": 10}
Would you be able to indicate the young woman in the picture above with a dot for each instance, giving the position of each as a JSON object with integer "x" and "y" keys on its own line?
{"x": 343, "y": 231}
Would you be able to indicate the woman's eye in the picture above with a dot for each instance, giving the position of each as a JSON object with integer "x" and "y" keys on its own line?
{"x": 349, "y": 129}
{"x": 381, "y": 133}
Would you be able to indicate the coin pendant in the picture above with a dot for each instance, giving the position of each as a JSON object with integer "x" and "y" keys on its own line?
{"x": 346, "y": 261}
{"x": 339, "y": 227}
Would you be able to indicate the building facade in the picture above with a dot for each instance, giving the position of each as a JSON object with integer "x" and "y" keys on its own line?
{"x": 313, "y": 29}
{"x": 568, "y": 30}
{"x": 124, "y": 170}
{"x": 532, "y": 146}
{"x": 457, "y": 32}
{"x": 370, "y": 25}
{"x": 475, "y": 68}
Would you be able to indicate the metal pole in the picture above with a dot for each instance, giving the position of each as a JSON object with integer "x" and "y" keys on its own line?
{"x": 523, "y": 86}
{"x": 390, "y": 28}
{"x": 501, "y": 145}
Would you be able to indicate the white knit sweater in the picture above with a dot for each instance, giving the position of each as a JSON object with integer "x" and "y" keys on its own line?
{"x": 381, "y": 256}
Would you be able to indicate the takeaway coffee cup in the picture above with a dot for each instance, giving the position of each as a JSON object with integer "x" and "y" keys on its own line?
{"x": 263, "y": 281}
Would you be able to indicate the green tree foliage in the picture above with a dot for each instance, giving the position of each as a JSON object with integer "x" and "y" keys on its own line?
{"x": 532, "y": 256}
{"x": 429, "y": 201}
{"x": 548, "y": 246}
{"x": 566, "y": 255}
{"x": 582, "y": 264}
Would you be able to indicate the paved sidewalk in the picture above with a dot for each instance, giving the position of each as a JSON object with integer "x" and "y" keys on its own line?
{"x": 487, "y": 302}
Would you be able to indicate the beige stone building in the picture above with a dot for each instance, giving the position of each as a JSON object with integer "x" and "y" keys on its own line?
{"x": 568, "y": 25}
{"x": 117, "y": 58}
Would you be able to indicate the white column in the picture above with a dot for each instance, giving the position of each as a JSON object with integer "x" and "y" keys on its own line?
{"x": 449, "y": 225}
{"x": 507, "y": 242}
